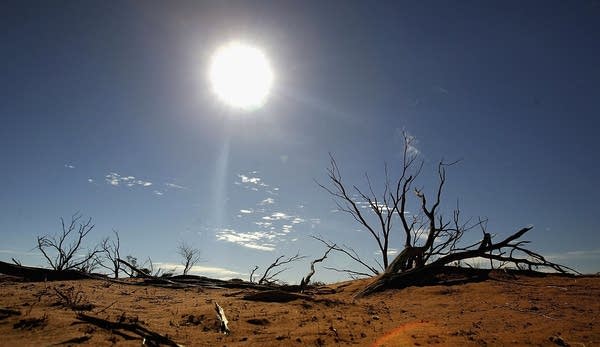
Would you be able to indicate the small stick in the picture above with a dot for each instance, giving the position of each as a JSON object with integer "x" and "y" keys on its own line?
{"x": 221, "y": 316}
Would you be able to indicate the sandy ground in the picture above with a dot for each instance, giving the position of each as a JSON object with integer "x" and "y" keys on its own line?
{"x": 503, "y": 310}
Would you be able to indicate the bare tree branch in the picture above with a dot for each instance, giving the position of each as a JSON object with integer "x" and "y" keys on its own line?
{"x": 111, "y": 249}
{"x": 350, "y": 253}
{"x": 267, "y": 277}
{"x": 353, "y": 274}
{"x": 306, "y": 280}
{"x": 67, "y": 246}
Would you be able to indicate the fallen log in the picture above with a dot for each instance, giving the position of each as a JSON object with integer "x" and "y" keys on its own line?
{"x": 36, "y": 274}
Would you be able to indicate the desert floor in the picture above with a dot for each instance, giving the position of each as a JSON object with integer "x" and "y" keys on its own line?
{"x": 504, "y": 310}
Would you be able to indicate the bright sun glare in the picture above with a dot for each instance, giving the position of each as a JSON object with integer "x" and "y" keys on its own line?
{"x": 241, "y": 76}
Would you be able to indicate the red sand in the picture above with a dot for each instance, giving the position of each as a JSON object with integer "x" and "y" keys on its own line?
{"x": 543, "y": 311}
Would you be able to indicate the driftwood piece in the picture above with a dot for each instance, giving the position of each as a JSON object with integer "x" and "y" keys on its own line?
{"x": 145, "y": 334}
{"x": 224, "y": 328}
{"x": 37, "y": 274}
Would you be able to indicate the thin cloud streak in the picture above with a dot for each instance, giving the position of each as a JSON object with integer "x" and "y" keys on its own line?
{"x": 175, "y": 186}
{"x": 579, "y": 254}
{"x": 254, "y": 240}
{"x": 14, "y": 252}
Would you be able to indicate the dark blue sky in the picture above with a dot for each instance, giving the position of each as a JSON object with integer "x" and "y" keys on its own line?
{"x": 96, "y": 92}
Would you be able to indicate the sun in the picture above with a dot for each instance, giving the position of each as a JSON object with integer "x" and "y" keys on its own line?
{"x": 241, "y": 76}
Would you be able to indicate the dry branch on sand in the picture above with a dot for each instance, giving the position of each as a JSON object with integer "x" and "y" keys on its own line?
{"x": 148, "y": 337}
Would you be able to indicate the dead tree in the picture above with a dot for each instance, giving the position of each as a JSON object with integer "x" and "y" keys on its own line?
{"x": 383, "y": 207}
{"x": 111, "y": 249}
{"x": 430, "y": 240}
{"x": 62, "y": 251}
{"x": 268, "y": 277}
{"x": 190, "y": 256}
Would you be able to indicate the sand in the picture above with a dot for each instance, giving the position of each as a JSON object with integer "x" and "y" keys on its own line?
{"x": 503, "y": 310}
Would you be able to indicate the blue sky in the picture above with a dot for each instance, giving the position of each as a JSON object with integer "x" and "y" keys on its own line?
{"x": 106, "y": 109}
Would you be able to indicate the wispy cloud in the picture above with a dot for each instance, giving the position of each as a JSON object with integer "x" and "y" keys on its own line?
{"x": 277, "y": 216}
{"x": 383, "y": 208}
{"x": 14, "y": 252}
{"x": 174, "y": 186}
{"x": 576, "y": 255}
{"x": 391, "y": 251}
{"x": 298, "y": 220}
{"x": 115, "y": 179}
{"x": 252, "y": 180}
{"x": 211, "y": 271}
{"x": 412, "y": 145}
{"x": 69, "y": 166}
{"x": 441, "y": 89}
{"x": 273, "y": 191}
{"x": 272, "y": 226}
{"x": 412, "y": 149}
{"x": 259, "y": 240}
{"x": 267, "y": 201}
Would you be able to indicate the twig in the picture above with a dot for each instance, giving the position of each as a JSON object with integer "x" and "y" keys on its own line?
{"x": 106, "y": 308}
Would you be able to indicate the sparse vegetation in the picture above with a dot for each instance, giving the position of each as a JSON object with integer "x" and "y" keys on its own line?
{"x": 73, "y": 299}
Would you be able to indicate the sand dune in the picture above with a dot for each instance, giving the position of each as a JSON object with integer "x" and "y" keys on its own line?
{"x": 503, "y": 310}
